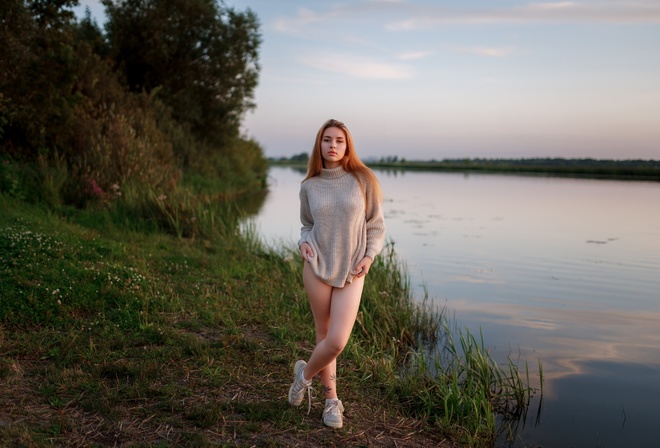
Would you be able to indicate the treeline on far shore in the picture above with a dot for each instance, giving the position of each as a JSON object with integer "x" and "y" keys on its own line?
{"x": 587, "y": 167}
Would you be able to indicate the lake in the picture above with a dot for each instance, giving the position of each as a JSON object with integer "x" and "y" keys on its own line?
{"x": 558, "y": 269}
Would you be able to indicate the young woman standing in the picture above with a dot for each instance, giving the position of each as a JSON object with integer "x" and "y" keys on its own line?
{"x": 342, "y": 231}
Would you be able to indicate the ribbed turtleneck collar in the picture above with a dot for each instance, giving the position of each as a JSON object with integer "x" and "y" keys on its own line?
{"x": 332, "y": 173}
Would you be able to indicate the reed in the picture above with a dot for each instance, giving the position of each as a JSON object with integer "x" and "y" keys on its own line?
{"x": 459, "y": 386}
{"x": 439, "y": 373}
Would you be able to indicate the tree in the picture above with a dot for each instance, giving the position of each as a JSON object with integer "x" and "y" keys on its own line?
{"x": 89, "y": 31}
{"x": 37, "y": 68}
{"x": 200, "y": 54}
{"x": 53, "y": 14}
{"x": 303, "y": 157}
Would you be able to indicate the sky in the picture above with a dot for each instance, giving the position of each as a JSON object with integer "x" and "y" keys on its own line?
{"x": 424, "y": 79}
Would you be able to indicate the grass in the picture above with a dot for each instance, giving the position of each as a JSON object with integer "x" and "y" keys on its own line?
{"x": 116, "y": 329}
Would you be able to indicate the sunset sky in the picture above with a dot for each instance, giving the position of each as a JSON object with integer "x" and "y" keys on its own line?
{"x": 426, "y": 79}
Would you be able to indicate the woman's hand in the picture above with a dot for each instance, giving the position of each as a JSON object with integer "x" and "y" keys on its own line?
{"x": 306, "y": 251}
{"x": 363, "y": 267}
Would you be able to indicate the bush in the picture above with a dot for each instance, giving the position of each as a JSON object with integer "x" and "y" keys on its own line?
{"x": 71, "y": 132}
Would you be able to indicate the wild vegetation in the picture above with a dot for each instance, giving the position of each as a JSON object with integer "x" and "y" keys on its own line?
{"x": 151, "y": 103}
{"x": 137, "y": 308}
{"x": 114, "y": 331}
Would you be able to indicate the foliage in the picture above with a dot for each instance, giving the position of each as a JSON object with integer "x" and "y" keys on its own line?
{"x": 460, "y": 386}
{"x": 16, "y": 28}
{"x": 35, "y": 76}
{"x": 297, "y": 159}
{"x": 202, "y": 55}
{"x": 71, "y": 131}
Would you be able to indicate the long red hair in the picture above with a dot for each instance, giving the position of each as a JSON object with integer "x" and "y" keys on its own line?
{"x": 351, "y": 162}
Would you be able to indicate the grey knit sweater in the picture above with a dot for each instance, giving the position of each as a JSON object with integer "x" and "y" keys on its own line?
{"x": 338, "y": 226}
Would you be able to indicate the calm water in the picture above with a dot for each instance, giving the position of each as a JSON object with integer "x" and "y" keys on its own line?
{"x": 565, "y": 270}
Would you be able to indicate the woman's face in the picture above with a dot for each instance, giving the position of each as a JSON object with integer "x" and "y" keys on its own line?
{"x": 333, "y": 147}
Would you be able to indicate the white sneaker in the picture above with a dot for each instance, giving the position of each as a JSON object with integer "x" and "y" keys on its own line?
{"x": 299, "y": 386}
{"x": 333, "y": 414}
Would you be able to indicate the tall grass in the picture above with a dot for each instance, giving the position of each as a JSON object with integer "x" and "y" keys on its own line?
{"x": 439, "y": 373}
{"x": 120, "y": 302}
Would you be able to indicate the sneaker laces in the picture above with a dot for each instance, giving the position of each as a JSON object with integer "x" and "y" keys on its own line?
{"x": 301, "y": 385}
{"x": 334, "y": 407}
{"x": 309, "y": 398}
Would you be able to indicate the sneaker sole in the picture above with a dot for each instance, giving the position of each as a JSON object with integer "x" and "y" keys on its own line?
{"x": 333, "y": 425}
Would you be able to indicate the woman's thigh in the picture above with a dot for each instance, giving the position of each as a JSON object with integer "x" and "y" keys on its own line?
{"x": 319, "y": 295}
{"x": 344, "y": 306}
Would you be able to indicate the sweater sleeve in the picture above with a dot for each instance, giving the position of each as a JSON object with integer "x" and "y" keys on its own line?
{"x": 306, "y": 218}
{"x": 375, "y": 225}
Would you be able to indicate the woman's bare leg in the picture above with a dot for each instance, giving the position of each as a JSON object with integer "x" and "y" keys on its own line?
{"x": 319, "y": 295}
{"x": 334, "y": 310}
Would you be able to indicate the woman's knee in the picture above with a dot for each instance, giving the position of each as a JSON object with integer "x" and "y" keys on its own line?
{"x": 335, "y": 345}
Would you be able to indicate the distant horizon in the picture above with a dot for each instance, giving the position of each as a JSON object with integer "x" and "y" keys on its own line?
{"x": 467, "y": 79}
{"x": 406, "y": 159}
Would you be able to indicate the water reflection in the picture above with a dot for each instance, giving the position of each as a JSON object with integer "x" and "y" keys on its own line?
{"x": 592, "y": 413}
{"x": 569, "y": 338}
{"x": 565, "y": 270}
{"x": 249, "y": 204}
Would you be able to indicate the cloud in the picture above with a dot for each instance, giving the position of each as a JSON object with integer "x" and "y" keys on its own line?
{"x": 537, "y": 12}
{"x": 366, "y": 11}
{"x": 551, "y": 5}
{"x": 483, "y": 51}
{"x": 412, "y": 55}
{"x": 357, "y": 67}
{"x": 417, "y": 15}
{"x": 303, "y": 17}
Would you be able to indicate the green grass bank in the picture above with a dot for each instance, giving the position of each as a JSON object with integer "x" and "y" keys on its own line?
{"x": 162, "y": 323}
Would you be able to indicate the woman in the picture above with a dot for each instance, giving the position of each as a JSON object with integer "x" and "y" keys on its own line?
{"x": 342, "y": 231}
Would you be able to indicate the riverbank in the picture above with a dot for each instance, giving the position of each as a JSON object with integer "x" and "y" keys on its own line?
{"x": 116, "y": 333}
{"x": 125, "y": 338}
